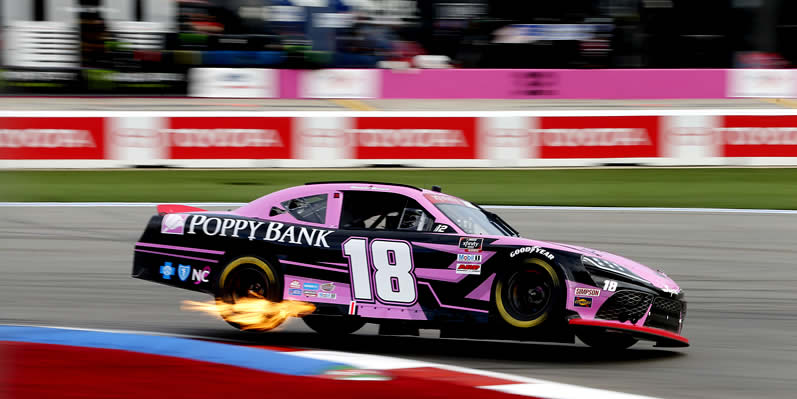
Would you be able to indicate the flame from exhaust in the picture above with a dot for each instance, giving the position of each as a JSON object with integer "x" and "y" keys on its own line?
{"x": 255, "y": 313}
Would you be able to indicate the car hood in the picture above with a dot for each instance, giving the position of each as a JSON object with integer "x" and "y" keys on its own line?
{"x": 657, "y": 279}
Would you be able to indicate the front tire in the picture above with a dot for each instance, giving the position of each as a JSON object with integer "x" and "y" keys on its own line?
{"x": 528, "y": 295}
{"x": 247, "y": 277}
{"x": 333, "y": 325}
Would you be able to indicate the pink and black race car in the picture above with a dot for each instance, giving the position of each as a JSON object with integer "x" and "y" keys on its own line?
{"x": 408, "y": 258}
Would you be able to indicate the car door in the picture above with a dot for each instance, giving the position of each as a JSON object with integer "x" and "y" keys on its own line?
{"x": 399, "y": 266}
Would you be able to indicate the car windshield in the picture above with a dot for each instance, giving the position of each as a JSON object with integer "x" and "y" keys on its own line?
{"x": 474, "y": 220}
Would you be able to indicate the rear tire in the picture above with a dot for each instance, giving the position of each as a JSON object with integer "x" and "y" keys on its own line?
{"x": 528, "y": 295}
{"x": 606, "y": 340}
{"x": 333, "y": 325}
{"x": 248, "y": 277}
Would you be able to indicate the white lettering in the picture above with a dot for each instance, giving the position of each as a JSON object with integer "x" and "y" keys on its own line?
{"x": 598, "y": 137}
{"x": 200, "y": 275}
{"x": 239, "y": 225}
{"x": 196, "y": 221}
{"x": 289, "y": 232}
{"x": 253, "y": 226}
{"x": 217, "y": 228}
{"x": 225, "y": 137}
{"x": 307, "y": 235}
{"x": 535, "y": 249}
{"x": 321, "y": 239}
{"x": 273, "y": 231}
{"x": 227, "y": 224}
{"x": 46, "y": 138}
{"x": 409, "y": 137}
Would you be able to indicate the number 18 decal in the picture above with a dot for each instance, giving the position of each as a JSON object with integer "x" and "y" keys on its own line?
{"x": 393, "y": 268}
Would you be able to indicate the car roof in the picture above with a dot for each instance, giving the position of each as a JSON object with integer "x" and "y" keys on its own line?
{"x": 371, "y": 183}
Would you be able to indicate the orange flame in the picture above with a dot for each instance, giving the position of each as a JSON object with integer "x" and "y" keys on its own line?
{"x": 253, "y": 313}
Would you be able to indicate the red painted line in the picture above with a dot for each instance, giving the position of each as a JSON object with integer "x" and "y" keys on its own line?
{"x": 32, "y": 370}
{"x": 628, "y": 327}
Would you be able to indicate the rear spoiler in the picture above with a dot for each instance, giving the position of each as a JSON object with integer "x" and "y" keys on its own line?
{"x": 177, "y": 208}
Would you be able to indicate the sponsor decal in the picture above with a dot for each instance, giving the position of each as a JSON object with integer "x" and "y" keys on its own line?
{"x": 266, "y": 231}
{"x": 413, "y": 138}
{"x": 295, "y": 284}
{"x": 587, "y": 291}
{"x": 582, "y": 302}
{"x": 173, "y": 223}
{"x": 353, "y": 308}
{"x": 440, "y": 228}
{"x": 327, "y": 295}
{"x": 531, "y": 250}
{"x": 52, "y": 138}
{"x": 328, "y": 287}
{"x": 310, "y": 293}
{"x": 598, "y": 137}
{"x": 469, "y": 258}
{"x": 310, "y": 286}
{"x": 471, "y": 244}
{"x": 758, "y": 136}
{"x": 465, "y": 268}
{"x": 440, "y": 198}
{"x": 295, "y": 292}
{"x": 167, "y": 270}
{"x": 183, "y": 271}
{"x": 200, "y": 276}
{"x": 229, "y": 138}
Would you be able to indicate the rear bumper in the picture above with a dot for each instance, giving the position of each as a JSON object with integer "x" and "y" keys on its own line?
{"x": 662, "y": 337}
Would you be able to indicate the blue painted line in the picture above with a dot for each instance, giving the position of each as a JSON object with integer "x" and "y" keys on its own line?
{"x": 232, "y": 355}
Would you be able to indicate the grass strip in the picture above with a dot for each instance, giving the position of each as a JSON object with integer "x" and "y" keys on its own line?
{"x": 774, "y": 188}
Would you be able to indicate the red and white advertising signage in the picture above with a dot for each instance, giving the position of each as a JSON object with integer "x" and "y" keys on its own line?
{"x": 51, "y": 138}
{"x": 759, "y": 136}
{"x": 413, "y": 138}
{"x": 229, "y": 138}
{"x": 598, "y": 137}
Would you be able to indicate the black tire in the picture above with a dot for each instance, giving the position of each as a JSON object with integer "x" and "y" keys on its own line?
{"x": 248, "y": 277}
{"x": 334, "y": 325}
{"x": 606, "y": 340}
{"x": 528, "y": 295}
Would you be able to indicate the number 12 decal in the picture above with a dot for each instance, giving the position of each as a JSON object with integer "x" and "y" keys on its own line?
{"x": 392, "y": 275}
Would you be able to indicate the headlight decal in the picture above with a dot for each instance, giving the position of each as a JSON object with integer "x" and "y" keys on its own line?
{"x": 611, "y": 267}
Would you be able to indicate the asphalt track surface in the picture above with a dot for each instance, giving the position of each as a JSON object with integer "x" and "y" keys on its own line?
{"x": 244, "y": 104}
{"x": 71, "y": 267}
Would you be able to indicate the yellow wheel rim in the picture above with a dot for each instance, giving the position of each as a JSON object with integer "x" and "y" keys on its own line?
{"x": 246, "y": 260}
{"x": 499, "y": 304}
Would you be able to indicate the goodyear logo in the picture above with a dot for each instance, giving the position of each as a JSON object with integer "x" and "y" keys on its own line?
{"x": 581, "y": 302}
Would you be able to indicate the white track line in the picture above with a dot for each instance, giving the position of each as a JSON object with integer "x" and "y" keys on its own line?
{"x": 507, "y": 207}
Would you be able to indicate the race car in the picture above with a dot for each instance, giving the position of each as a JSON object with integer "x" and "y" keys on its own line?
{"x": 406, "y": 259}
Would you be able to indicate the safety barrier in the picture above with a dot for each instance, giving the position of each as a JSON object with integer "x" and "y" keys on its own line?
{"x": 69, "y": 139}
{"x": 494, "y": 83}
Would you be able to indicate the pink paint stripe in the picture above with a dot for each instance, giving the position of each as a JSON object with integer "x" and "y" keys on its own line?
{"x": 206, "y": 251}
{"x": 346, "y": 265}
{"x": 178, "y": 256}
{"x": 450, "y": 306}
{"x": 288, "y": 262}
{"x": 447, "y": 275}
{"x": 483, "y": 291}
